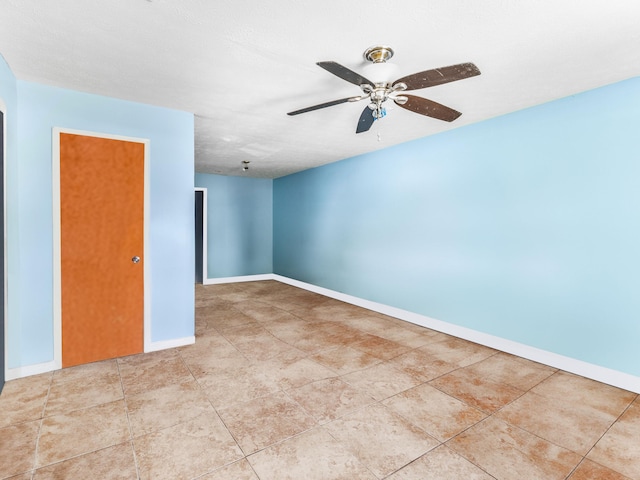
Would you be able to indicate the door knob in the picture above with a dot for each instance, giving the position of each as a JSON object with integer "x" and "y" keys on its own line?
{"x": 135, "y": 259}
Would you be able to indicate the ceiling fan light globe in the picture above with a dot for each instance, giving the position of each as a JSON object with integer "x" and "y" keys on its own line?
{"x": 381, "y": 73}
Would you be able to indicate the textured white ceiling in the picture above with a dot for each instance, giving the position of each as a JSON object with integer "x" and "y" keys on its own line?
{"x": 240, "y": 65}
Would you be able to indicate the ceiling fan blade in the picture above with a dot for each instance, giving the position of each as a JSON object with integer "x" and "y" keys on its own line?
{"x": 366, "y": 120}
{"x": 438, "y": 76}
{"x": 324, "y": 105}
{"x": 429, "y": 108}
{"x": 344, "y": 73}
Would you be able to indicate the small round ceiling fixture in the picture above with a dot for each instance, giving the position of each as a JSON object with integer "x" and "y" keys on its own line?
{"x": 245, "y": 165}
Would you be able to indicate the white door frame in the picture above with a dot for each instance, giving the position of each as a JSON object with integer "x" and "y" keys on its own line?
{"x": 3, "y": 109}
{"x": 57, "y": 259}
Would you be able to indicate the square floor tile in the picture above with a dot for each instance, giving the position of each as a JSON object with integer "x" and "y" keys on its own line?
{"x": 85, "y": 371}
{"x": 329, "y": 399}
{"x": 18, "y": 447}
{"x": 619, "y": 448}
{"x": 217, "y": 361}
{"x": 165, "y": 407}
{"x": 263, "y": 347}
{"x": 294, "y": 331}
{"x": 262, "y": 312}
{"x": 382, "y": 440}
{"x": 82, "y": 431}
{"x": 336, "y": 334}
{"x": 483, "y": 393}
{"x": 186, "y": 450}
{"x": 518, "y": 372}
{"x": 394, "y": 330}
{"x": 23, "y": 399}
{"x": 112, "y": 463}
{"x": 589, "y": 470}
{"x": 148, "y": 371}
{"x": 583, "y": 391}
{"x": 209, "y": 345}
{"x": 423, "y": 365}
{"x": 222, "y": 320}
{"x": 296, "y": 299}
{"x": 458, "y": 351}
{"x": 370, "y": 323}
{"x": 335, "y": 310}
{"x": 243, "y": 333}
{"x": 574, "y": 426}
{"x": 437, "y": 413}
{"x": 84, "y": 386}
{"x": 410, "y": 338}
{"x": 343, "y": 360}
{"x": 293, "y": 369}
{"x": 507, "y": 452}
{"x": 313, "y": 455}
{"x": 240, "y": 470}
{"x": 263, "y": 421}
{"x": 237, "y": 384}
{"x": 441, "y": 464}
{"x": 381, "y": 381}
{"x": 380, "y": 347}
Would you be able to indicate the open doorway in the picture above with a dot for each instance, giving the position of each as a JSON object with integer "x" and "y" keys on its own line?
{"x": 201, "y": 235}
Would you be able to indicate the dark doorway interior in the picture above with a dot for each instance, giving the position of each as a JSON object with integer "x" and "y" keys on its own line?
{"x": 199, "y": 235}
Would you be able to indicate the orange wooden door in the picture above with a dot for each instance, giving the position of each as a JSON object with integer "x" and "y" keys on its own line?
{"x": 101, "y": 231}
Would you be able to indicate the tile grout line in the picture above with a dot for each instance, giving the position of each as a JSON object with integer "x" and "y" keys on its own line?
{"x": 493, "y": 415}
{"x": 244, "y": 455}
{"x": 42, "y": 417}
{"x": 607, "y": 431}
{"x": 347, "y": 449}
{"x": 126, "y": 410}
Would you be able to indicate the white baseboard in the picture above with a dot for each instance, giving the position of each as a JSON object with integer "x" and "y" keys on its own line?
{"x": 173, "y": 343}
{"x": 27, "y": 371}
{"x": 246, "y": 278}
{"x": 568, "y": 364}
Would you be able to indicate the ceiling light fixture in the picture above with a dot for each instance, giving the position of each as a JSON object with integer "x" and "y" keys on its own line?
{"x": 379, "y": 71}
{"x": 245, "y": 165}
{"x": 377, "y": 87}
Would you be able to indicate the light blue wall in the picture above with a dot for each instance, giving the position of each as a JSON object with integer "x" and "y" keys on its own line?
{"x": 526, "y": 226}
{"x": 171, "y": 229}
{"x": 240, "y": 225}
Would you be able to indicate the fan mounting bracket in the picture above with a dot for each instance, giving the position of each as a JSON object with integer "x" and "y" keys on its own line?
{"x": 378, "y": 53}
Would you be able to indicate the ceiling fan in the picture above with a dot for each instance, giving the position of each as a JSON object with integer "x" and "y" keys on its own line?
{"x": 381, "y": 89}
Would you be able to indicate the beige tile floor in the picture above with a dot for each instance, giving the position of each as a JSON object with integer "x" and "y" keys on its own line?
{"x": 286, "y": 384}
